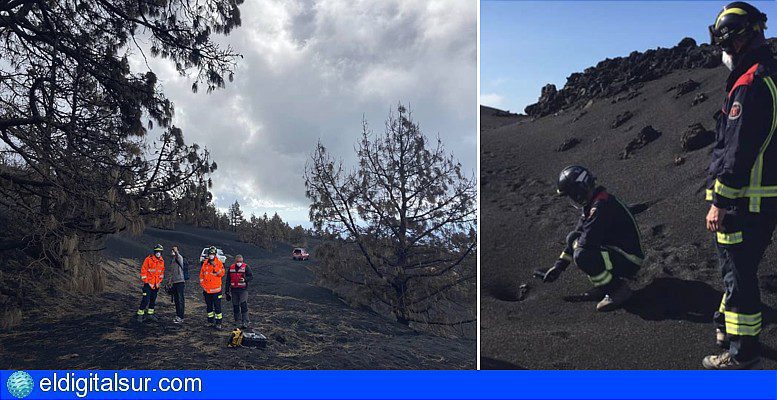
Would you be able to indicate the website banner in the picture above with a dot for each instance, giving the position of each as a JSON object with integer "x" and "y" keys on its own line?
{"x": 385, "y": 385}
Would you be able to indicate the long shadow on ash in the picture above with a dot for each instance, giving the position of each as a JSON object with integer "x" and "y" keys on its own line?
{"x": 673, "y": 298}
{"x": 678, "y": 299}
{"x": 693, "y": 301}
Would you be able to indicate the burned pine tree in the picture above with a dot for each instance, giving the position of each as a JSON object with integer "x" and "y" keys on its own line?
{"x": 76, "y": 159}
{"x": 401, "y": 225}
{"x": 235, "y": 216}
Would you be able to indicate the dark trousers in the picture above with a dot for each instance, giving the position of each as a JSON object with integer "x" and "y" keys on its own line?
{"x": 213, "y": 306}
{"x": 740, "y": 248}
{"x": 148, "y": 301}
{"x": 603, "y": 265}
{"x": 179, "y": 299}
{"x": 240, "y": 305}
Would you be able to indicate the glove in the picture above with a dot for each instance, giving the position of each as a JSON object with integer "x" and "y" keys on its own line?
{"x": 551, "y": 274}
{"x": 229, "y": 297}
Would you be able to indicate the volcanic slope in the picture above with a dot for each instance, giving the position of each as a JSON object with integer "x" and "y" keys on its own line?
{"x": 308, "y": 326}
{"x": 667, "y": 325}
{"x": 491, "y": 118}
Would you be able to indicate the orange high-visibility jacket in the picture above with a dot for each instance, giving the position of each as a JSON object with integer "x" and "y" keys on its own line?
{"x": 153, "y": 270}
{"x": 210, "y": 275}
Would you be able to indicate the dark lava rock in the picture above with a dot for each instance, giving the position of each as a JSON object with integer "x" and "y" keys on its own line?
{"x": 696, "y": 137}
{"x": 523, "y": 290}
{"x": 684, "y": 88}
{"x": 568, "y": 144}
{"x": 621, "y": 119}
{"x": 658, "y": 230}
{"x": 550, "y": 100}
{"x": 698, "y": 99}
{"x": 510, "y": 292}
{"x": 644, "y": 137}
{"x": 615, "y": 76}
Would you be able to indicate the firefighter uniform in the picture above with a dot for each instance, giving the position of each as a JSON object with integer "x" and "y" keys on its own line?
{"x": 238, "y": 278}
{"x": 151, "y": 273}
{"x": 743, "y": 180}
{"x": 605, "y": 242}
{"x": 210, "y": 280}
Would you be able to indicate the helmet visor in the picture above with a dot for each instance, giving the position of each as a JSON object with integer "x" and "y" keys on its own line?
{"x": 577, "y": 198}
{"x": 723, "y": 40}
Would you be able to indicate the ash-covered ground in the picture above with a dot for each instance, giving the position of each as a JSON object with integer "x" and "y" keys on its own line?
{"x": 308, "y": 326}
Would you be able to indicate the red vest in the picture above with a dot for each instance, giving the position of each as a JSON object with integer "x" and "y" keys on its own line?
{"x": 235, "y": 275}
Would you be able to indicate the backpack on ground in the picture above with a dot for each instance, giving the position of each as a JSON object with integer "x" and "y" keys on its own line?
{"x": 253, "y": 339}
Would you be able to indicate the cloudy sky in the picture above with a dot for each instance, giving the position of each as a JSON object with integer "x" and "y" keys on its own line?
{"x": 314, "y": 69}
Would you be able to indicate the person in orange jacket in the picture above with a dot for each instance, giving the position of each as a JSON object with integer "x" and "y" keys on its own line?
{"x": 151, "y": 273}
{"x": 210, "y": 279}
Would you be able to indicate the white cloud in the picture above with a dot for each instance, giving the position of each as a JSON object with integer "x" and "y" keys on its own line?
{"x": 312, "y": 70}
{"x": 492, "y": 99}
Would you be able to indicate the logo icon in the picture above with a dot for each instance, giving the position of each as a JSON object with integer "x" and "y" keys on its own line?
{"x": 736, "y": 110}
{"x": 20, "y": 384}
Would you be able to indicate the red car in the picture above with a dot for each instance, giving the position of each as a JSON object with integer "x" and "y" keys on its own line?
{"x": 299, "y": 254}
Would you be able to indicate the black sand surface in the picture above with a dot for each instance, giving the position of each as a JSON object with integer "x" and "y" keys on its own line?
{"x": 668, "y": 323}
{"x": 308, "y": 326}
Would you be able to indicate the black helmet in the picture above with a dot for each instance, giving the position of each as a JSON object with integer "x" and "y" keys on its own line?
{"x": 736, "y": 20}
{"x": 212, "y": 250}
{"x": 577, "y": 183}
{"x": 158, "y": 248}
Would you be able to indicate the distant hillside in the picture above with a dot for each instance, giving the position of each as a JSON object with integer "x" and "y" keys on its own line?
{"x": 491, "y": 118}
{"x": 646, "y": 135}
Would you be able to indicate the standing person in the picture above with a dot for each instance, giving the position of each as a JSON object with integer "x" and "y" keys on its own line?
{"x": 210, "y": 279}
{"x": 238, "y": 276}
{"x": 151, "y": 273}
{"x": 178, "y": 280}
{"x": 742, "y": 181}
{"x": 605, "y": 243}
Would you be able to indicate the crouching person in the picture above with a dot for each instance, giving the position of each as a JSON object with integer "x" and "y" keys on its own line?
{"x": 210, "y": 279}
{"x": 238, "y": 276}
{"x": 605, "y": 244}
{"x": 151, "y": 273}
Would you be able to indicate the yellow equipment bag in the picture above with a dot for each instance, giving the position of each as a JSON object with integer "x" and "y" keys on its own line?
{"x": 235, "y": 338}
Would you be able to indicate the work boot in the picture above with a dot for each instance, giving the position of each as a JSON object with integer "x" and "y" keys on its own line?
{"x": 152, "y": 318}
{"x": 721, "y": 339}
{"x": 245, "y": 324}
{"x": 139, "y": 318}
{"x": 177, "y": 320}
{"x": 615, "y": 299}
{"x": 726, "y": 361}
{"x": 593, "y": 294}
{"x": 217, "y": 325}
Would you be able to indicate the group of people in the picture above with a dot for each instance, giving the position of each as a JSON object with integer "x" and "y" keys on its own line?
{"x": 214, "y": 287}
{"x": 741, "y": 187}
